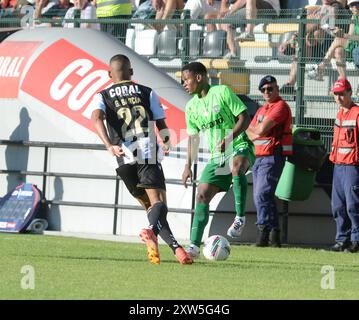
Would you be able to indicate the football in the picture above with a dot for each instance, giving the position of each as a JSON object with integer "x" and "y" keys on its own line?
{"x": 216, "y": 248}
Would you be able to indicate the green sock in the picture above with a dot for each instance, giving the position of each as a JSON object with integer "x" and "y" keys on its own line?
{"x": 240, "y": 194}
{"x": 200, "y": 220}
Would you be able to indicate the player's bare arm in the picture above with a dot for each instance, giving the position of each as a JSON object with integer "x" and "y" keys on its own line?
{"x": 243, "y": 121}
{"x": 192, "y": 152}
{"x": 164, "y": 133}
{"x": 97, "y": 118}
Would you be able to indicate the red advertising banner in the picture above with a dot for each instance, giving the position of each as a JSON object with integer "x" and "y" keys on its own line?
{"x": 66, "y": 78}
{"x": 13, "y": 58}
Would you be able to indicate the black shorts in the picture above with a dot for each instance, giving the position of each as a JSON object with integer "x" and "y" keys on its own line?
{"x": 138, "y": 177}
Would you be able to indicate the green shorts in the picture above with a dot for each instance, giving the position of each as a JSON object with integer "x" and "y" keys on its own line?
{"x": 218, "y": 171}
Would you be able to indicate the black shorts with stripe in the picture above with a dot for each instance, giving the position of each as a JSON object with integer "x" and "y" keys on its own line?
{"x": 138, "y": 177}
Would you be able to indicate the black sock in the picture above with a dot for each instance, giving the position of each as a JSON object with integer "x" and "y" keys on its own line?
{"x": 168, "y": 237}
{"x": 153, "y": 215}
{"x": 157, "y": 216}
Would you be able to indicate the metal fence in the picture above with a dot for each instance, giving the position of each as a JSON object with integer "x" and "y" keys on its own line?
{"x": 169, "y": 44}
{"x": 45, "y": 173}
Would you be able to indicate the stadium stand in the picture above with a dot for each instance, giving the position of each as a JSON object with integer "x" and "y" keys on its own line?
{"x": 167, "y": 44}
{"x": 214, "y": 43}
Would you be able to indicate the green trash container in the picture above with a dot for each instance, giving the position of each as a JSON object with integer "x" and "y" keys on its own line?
{"x": 296, "y": 182}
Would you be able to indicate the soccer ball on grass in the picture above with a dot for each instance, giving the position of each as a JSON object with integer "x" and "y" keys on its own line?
{"x": 216, "y": 248}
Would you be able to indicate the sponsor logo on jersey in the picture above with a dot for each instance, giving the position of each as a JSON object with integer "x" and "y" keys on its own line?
{"x": 216, "y": 109}
{"x": 213, "y": 123}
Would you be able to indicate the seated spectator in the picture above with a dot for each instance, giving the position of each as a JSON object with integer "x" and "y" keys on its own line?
{"x": 58, "y": 10}
{"x": 355, "y": 54}
{"x": 22, "y": 7}
{"x": 165, "y": 9}
{"x": 42, "y": 6}
{"x": 145, "y": 11}
{"x": 317, "y": 40}
{"x": 271, "y": 9}
{"x": 7, "y": 10}
{"x": 342, "y": 47}
{"x": 289, "y": 47}
{"x": 18, "y": 4}
{"x": 117, "y": 9}
{"x": 87, "y": 11}
{"x": 55, "y": 9}
{"x": 203, "y": 9}
{"x": 4, "y": 4}
{"x": 241, "y": 10}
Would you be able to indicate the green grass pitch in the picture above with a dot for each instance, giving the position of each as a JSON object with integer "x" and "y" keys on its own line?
{"x": 71, "y": 268}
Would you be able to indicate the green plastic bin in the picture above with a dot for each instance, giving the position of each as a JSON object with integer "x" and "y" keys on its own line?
{"x": 297, "y": 180}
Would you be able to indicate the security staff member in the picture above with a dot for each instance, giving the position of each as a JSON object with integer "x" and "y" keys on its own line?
{"x": 344, "y": 155}
{"x": 271, "y": 133}
{"x": 114, "y": 9}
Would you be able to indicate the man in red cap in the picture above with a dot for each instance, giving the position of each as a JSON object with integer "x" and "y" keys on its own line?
{"x": 345, "y": 156}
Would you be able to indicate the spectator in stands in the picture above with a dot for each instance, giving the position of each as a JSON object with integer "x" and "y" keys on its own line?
{"x": 135, "y": 4}
{"x": 165, "y": 9}
{"x": 355, "y": 54}
{"x": 7, "y": 10}
{"x": 4, "y": 4}
{"x": 145, "y": 11}
{"x": 22, "y": 7}
{"x": 22, "y": 3}
{"x": 42, "y": 6}
{"x": 289, "y": 47}
{"x": 200, "y": 8}
{"x": 116, "y": 9}
{"x": 51, "y": 9}
{"x": 241, "y": 10}
{"x": 344, "y": 155}
{"x": 271, "y": 133}
{"x": 342, "y": 46}
{"x": 86, "y": 10}
{"x": 317, "y": 39}
{"x": 204, "y": 9}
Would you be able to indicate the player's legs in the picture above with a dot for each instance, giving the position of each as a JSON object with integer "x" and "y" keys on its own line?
{"x": 205, "y": 194}
{"x": 151, "y": 179}
{"x": 165, "y": 233}
{"x": 241, "y": 162}
{"x": 157, "y": 215}
{"x": 129, "y": 176}
{"x": 215, "y": 178}
{"x": 240, "y": 166}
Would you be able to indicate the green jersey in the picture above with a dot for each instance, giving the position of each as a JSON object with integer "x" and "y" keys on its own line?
{"x": 216, "y": 114}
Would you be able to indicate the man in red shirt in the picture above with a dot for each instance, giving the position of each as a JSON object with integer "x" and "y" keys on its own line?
{"x": 271, "y": 133}
{"x": 344, "y": 155}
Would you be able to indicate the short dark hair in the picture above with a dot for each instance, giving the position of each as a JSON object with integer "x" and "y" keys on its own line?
{"x": 196, "y": 68}
{"x": 120, "y": 58}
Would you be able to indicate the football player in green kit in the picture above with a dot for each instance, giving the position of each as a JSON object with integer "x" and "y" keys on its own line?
{"x": 223, "y": 117}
